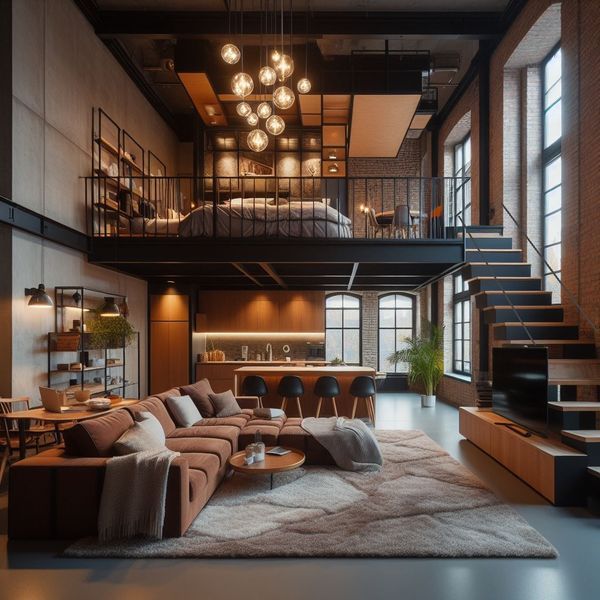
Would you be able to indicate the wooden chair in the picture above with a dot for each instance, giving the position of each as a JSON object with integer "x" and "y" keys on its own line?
{"x": 401, "y": 221}
{"x": 327, "y": 387}
{"x": 363, "y": 387}
{"x": 291, "y": 386}
{"x": 374, "y": 225}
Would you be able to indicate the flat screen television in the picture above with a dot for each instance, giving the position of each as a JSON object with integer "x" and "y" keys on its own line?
{"x": 520, "y": 386}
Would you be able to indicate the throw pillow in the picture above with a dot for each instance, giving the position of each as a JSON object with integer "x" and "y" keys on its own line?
{"x": 185, "y": 412}
{"x": 225, "y": 404}
{"x": 136, "y": 439}
{"x": 151, "y": 425}
{"x": 268, "y": 413}
{"x": 199, "y": 392}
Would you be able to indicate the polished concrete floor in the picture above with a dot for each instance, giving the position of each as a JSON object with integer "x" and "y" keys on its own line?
{"x": 34, "y": 571}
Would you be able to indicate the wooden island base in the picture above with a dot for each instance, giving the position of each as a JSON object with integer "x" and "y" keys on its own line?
{"x": 309, "y": 376}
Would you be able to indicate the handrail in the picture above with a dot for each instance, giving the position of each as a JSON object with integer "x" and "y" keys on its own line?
{"x": 562, "y": 285}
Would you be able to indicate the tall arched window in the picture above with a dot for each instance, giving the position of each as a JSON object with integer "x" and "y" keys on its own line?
{"x": 342, "y": 328}
{"x": 396, "y": 323}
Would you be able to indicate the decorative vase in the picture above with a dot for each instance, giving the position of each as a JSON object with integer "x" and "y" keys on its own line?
{"x": 427, "y": 401}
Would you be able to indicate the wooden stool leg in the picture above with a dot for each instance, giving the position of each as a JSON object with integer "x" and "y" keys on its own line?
{"x": 354, "y": 407}
{"x": 260, "y": 404}
{"x": 283, "y": 403}
{"x": 299, "y": 407}
{"x": 372, "y": 405}
{"x": 335, "y": 412}
{"x": 319, "y": 406}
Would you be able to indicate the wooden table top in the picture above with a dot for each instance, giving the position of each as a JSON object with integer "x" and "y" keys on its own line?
{"x": 271, "y": 464}
{"x": 73, "y": 413}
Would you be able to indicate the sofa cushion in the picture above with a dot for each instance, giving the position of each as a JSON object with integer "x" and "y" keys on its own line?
{"x": 220, "y": 432}
{"x": 183, "y": 410}
{"x": 155, "y": 406}
{"x": 220, "y": 448}
{"x": 137, "y": 439}
{"x": 168, "y": 394}
{"x": 199, "y": 392}
{"x": 269, "y": 434}
{"x": 208, "y": 463}
{"x": 95, "y": 437}
{"x": 151, "y": 425}
{"x": 238, "y": 421}
{"x": 225, "y": 404}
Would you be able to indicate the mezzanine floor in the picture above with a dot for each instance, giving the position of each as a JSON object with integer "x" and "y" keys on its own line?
{"x": 37, "y": 572}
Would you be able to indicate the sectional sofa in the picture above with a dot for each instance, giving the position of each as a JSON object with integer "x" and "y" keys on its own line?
{"x": 56, "y": 494}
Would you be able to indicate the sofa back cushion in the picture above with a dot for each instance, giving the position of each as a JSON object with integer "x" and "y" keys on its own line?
{"x": 225, "y": 404}
{"x": 146, "y": 434}
{"x": 199, "y": 392}
{"x": 96, "y": 437}
{"x": 185, "y": 413}
{"x": 156, "y": 407}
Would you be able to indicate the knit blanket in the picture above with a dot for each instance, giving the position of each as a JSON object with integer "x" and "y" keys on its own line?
{"x": 349, "y": 441}
{"x": 134, "y": 494}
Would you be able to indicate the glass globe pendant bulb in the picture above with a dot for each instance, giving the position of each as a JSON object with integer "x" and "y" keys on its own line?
{"x": 243, "y": 109}
{"x": 252, "y": 119}
{"x": 283, "y": 97}
{"x": 275, "y": 125}
{"x": 264, "y": 110}
{"x": 275, "y": 56}
{"x": 304, "y": 86}
{"x": 284, "y": 67}
{"x": 257, "y": 140}
{"x": 242, "y": 84}
{"x": 230, "y": 53}
{"x": 267, "y": 76}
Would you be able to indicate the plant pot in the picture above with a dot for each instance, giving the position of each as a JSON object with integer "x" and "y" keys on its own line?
{"x": 427, "y": 401}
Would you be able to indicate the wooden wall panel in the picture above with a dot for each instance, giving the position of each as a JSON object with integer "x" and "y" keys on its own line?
{"x": 169, "y": 307}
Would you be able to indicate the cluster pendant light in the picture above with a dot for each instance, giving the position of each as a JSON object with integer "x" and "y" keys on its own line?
{"x": 280, "y": 70}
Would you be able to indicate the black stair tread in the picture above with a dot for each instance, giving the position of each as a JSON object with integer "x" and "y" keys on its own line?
{"x": 574, "y": 406}
{"x": 524, "y": 306}
{"x": 526, "y": 292}
{"x": 542, "y": 342}
{"x": 496, "y": 264}
{"x": 503, "y": 277}
{"x": 594, "y": 471}
{"x": 534, "y": 323}
{"x": 583, "y": 435}
{"x": 494, "y": 250}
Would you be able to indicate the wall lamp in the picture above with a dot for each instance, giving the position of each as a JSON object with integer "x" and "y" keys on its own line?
{"x": 39, "y": 297}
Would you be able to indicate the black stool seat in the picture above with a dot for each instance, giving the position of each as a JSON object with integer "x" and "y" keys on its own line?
{"x": 327, "y": 387}
{"x": 290, "y": 386}
{"x": 254, "y": 385}
{"x": 362, "y": 386}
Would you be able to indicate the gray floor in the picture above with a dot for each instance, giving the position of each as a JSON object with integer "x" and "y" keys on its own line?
{"x": 32, "y": 571}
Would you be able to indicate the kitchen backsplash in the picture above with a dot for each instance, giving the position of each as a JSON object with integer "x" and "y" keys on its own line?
{"x": 233, "y": 347}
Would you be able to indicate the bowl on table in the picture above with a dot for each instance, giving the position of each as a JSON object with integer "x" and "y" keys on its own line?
{"x": 98, "y": 403}
{"x": 82, "y": 396}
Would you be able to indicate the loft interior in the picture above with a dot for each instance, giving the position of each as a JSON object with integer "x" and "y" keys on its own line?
{"x": 302, "y": 279}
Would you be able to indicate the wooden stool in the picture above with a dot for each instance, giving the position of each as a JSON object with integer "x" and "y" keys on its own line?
{"x": 327, "y": 387}
{"x": 255, "y": 385}
{"x": 363, "y": 387}
{"x": 289, "y": 387}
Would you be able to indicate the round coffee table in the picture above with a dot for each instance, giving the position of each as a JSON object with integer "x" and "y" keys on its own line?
{"x": 271, "y": 465}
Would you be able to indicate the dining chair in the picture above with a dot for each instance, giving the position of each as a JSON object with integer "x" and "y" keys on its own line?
{"x": 401, "y": 221}
{"x": 374, "y": 225}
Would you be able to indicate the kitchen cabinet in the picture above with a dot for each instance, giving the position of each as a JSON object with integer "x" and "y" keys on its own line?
{"x": 244, "y": 312}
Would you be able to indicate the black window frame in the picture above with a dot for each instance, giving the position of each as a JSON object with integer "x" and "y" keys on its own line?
{"x": 460, "y": 297}
{"x": 461, "y": 183}
{"x": 342, "y": 328}
{"x": 549, "y": 155}
{"x": 411, "y": 297}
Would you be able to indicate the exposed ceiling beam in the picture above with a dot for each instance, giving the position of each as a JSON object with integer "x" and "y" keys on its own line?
{"x": 352, "y": 275}
{"x": 167, "y": 24}
{"x": 250, "y": 277}
{"x": 268, "y": 269}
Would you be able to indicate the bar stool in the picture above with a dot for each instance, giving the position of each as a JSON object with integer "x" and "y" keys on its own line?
{"x": 327, "y": 387}
{"x": 255, "y": 385}
{"x": 363, "y": 387}
{"x": 291, "y": 386}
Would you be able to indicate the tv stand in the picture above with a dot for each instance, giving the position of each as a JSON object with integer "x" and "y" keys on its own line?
{"x": 556, "y": 471}
{"x": 519, "y": 429}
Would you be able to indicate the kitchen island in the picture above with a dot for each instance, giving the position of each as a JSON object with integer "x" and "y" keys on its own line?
{"x": 309, "y": 375}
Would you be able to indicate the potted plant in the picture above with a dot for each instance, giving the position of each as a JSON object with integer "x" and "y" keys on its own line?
{"x": 109, "y": 332}
{"x": 425, "y": 357}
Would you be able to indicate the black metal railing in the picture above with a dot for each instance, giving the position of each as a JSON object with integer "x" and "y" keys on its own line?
{"x": 274, "y": 207}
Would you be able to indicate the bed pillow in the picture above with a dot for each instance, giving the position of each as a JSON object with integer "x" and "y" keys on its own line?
{"x": 199, "y": 393}
{"x": 225, "y": 404}
{"x": 185, "y": 413}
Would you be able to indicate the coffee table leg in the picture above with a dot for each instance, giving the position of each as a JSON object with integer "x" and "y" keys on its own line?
{"x": 22, "y": 438}
{"x": 271, "y": 480}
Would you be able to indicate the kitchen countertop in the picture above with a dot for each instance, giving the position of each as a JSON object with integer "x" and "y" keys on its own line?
{"x": 324, "y": 369}
{"x": 263, "y": 362}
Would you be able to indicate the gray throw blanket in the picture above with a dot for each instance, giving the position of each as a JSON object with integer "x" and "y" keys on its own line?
{"x": 133, "y": 496}
{"x": 349, "y": 441}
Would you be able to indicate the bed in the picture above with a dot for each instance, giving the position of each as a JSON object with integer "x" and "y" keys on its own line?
{"x": 254, "y": 217}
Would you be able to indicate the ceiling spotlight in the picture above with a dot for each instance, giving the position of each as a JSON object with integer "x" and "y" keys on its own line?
{"x": 264, "y": 110}
{"x": 304, "y": 86}
{"x": 39, "y": 297}
{"x": 283, "y": 97}
{"x": 230, "y": 53}
{"x": 275, "y": 125}
{"x": 257, "y": 140}
{"x": 267, "y": 76}
{"x": 110, "y": 308}
{"x": 284, "y": 67}
{"x": 242, "y": 84}
{"x": 243, "y": 109}
{"x": 252, "y": 119}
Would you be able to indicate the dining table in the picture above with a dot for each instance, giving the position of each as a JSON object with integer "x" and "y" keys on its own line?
{"x": 72, "y": 414}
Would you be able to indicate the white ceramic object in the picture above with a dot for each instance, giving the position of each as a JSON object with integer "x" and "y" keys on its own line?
{"x": 427, "y": 401}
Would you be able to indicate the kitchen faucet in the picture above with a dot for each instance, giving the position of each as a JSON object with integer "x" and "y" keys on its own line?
{"x": 269, "y": 350}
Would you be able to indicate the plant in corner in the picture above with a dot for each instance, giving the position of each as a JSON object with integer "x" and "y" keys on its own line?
{"x": 425, "y": 357}
{"x": 109, "y": 332}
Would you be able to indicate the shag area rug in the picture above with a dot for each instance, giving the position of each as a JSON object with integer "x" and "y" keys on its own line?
{"x": 423, "y": 503}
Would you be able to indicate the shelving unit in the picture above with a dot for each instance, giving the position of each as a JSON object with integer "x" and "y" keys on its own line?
{"x": 118, "y": 368}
